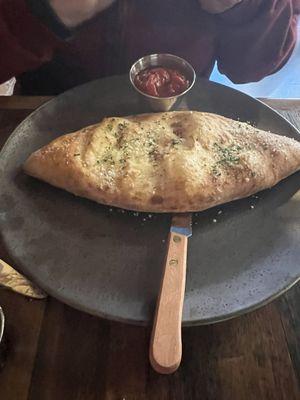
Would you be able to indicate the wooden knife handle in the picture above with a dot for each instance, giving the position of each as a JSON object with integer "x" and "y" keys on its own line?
{"x": 165, "y": 346}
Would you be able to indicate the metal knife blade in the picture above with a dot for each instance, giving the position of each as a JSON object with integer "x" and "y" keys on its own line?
{"x": 182, "y": 224}
{"x": 2, "y": 323}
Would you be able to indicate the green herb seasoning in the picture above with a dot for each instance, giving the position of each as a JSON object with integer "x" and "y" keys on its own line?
{"x": 216, "y": 171}
{"x": 174, "y": 142}
{"x": 121, "y": 125}
{"x": 107, "y": 159}
{"x": 228, "y": 157}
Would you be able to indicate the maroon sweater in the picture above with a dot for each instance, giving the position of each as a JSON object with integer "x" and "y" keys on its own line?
{"x": 253, "y": 39}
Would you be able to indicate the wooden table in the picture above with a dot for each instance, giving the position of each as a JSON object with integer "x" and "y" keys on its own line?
{"x": 56, "y": 353}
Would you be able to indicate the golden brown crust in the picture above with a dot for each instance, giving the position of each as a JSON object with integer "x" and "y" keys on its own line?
{"x": 166, "y": 162}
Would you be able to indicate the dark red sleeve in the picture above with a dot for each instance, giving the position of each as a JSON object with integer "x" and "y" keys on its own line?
{"x": 25, "y": 43}
{"x": 256, "y": 38}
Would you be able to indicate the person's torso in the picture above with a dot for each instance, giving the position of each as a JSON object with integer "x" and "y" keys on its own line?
{"x": 128, "y": 30}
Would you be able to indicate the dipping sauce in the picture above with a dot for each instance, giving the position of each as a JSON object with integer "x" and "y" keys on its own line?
{"x": 161, "y": 82}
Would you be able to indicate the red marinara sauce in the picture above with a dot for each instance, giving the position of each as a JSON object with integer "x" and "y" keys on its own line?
{"x": 161, "y": 82}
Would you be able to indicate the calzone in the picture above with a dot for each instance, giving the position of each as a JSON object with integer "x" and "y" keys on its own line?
{"x": 166, "y": 162}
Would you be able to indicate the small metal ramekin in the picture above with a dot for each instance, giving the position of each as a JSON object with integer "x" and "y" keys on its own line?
{"x": 165, "y": 61}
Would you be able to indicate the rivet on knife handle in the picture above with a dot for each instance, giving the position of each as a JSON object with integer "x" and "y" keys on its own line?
{"x": 165, "y": 346}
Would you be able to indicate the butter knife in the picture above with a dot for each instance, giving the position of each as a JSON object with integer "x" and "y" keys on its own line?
{"x": 166, "y": 347}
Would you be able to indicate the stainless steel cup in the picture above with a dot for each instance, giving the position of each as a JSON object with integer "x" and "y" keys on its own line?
{"x": 166, "y": 61}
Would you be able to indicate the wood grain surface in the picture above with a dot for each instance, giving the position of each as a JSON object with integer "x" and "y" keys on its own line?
{"x": 53, "y": 352}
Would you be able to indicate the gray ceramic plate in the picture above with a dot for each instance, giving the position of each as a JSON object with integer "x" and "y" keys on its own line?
{"x": 109, "y": 263}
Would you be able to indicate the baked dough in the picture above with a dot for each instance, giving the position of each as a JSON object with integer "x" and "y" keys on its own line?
{"x": 166, "y": 162}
